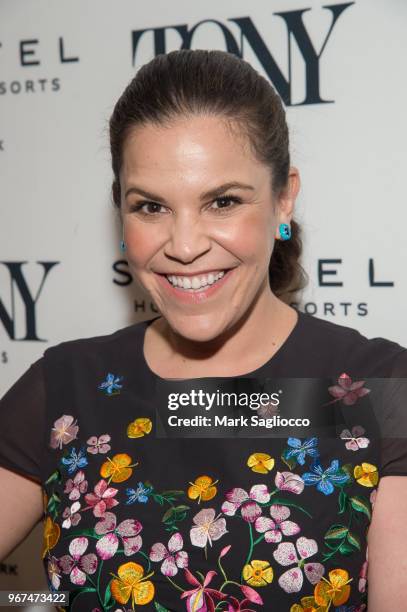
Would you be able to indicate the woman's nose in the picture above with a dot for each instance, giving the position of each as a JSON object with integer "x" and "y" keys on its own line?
{"x": 188, "y": 238}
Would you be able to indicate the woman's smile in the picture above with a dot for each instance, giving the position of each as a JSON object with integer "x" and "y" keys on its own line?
{"x": 194, "y": 289}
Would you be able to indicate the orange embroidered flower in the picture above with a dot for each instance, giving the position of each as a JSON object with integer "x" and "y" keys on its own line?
{"x": 366, "y": 474}
{"x": 260, "y": 462}
{"x": 203, "y": 488}
{"x": 334, "y": 591}
{"x": 117, "y": 469}
{"x": 131, "y": 582}
{"x": 51, "y": 533}
{"x": 140, "y": 427}
{"x": 258, "y": 573}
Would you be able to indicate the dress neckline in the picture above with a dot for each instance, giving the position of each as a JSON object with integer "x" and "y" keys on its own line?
{"x": 263, "y": 370}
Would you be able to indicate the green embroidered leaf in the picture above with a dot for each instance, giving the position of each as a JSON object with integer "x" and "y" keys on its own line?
{"x": 290, "y": 461}
{"x": 360, "y": 504}
{"x": 55, "y": 477}
{"x": 108, "y": 596}
{"x": 82, "y": 532}
{"x": 353, "y": 539}
{"x": 348, "y": 469}
{"x": 172, "y": 492}
{"x": 336, "y": 532}
{"x": 159, "y": 607}
{"x": 343, "y": 501}
{"x": 346, "y": 549}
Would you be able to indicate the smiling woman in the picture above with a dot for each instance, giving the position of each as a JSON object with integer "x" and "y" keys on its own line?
{"x": 205, "y": 192}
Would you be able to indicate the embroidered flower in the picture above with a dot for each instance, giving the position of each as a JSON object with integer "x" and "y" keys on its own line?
{"x": 141, "y": 494}
{"x": 200, "y": 599}
{"x": 287, "y": 481}
{"x": 111, "y": 385}
{"x": 173, "y": 557}
{"x": 75, "y": 460}
{"x": 53, "y": 572}
{"x": 248, "y": 503}
{"x": 258, "y": 573}
{"x": 71, "y": 515}
{"x": 347, "y": 391}
{"x": 76, "y": 486}
{"x": 77, "y": 564}
{"x": 101, "y": 499}
{"x": 51, "y": 535}
{"x": 131, "y": 582}
{"x": 261, "y": 463}
{"x": 277, "y": 526}
{"x": 286, "y": 554}
{"x": 98, "y": 445}
{"x": 366, "y": 474}
{"x": 299, "y": 449}
{"x": 203, "y": 488}
{"x": 355, "y": 439}
{"x": 208, "y": 528}
{"x": 64, "y": 431}
{"x": 128, "y": 530}
{"x": 326, "y": 479}
{"x": 117, "y": 469}
{"x": 139, "y": 428}
{"x": 334, "y": 591}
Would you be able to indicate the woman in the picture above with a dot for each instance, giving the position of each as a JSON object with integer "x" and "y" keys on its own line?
{"x": 206, "y": 194}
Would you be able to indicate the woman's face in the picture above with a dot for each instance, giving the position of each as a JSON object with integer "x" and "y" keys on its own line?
{"x": 181, "y": 221}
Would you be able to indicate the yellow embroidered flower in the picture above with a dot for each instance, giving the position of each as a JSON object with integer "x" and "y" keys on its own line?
{"x": 51, "y": 533}
{"x": 366, "y": 474}
{"x": 334, "y": 591}
{"x": 260, "y": 462}
{"x": 131, "y": 582}
{"x": 307, "y": 604}
{"x": 140, "y": 427}
{"x": 203, "y": 488}
{"x": 117, "y": 469}
{"x": 258, "y": 573}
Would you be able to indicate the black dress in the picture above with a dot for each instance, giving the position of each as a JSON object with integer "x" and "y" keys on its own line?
{"x": 139, "y": 517}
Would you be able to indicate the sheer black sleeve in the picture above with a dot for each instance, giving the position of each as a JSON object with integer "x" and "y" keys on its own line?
{"x": 22, "y": 423}
{"x": 394, "y": 442}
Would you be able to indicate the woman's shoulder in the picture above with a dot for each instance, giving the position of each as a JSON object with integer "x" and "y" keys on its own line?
{"x": 335, "y": 342}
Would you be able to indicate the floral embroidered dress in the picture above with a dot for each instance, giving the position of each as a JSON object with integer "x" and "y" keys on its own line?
{"x": 134, "y": 521}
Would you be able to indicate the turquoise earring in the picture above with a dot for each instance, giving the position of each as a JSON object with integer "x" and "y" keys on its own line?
{"x": 285, "y": 231}
{"x": 122, "y": 245}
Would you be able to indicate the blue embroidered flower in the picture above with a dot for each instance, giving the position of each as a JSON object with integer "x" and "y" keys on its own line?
{"x": 325, "y": 480}
{"x": 111, "y": 384}
{"x": 75, "y": 460}
{"x": 140, "y": 494}
{"x": 299, "y": 450}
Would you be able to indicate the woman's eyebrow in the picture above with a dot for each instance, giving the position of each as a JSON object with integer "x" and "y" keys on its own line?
{"x": 212, "y": 193}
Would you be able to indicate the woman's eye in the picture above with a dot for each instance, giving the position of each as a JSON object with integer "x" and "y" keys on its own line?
{"x": 153, "y": 208}
{"x": 228, "y": 200}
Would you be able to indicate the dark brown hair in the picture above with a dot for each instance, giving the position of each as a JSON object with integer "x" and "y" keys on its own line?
{"x": 192, "y": 82}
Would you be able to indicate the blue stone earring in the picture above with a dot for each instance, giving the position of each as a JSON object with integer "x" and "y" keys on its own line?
{"x": 122, "y": 245}
{"x": 285, "y": 231}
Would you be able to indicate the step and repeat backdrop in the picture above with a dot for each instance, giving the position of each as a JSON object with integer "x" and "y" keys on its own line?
{"x": 339, "y": 67}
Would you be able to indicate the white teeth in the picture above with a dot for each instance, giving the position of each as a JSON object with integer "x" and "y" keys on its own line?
{"x": 196, "y": 282}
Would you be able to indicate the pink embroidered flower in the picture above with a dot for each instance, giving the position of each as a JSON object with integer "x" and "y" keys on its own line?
{"x": 355, "y": 439}
{"x": 200, "y": 599}
{"x": 64, "y": 431}
{"x": 101, "y": 499}
{"x": 128, "y": 531}
{"x": 285, "y": 554}
{"x": 287, "y": 481}
{"x": 277, "y": 526}
{"x": 53, "y": 572}
{"x": 348, "y": 391}
{"x": 98, "y": 445}
{"x": 77, "y": 564}
{"x": 363, "y": 573}
{"x": 76, "y": 486}
{"x": 247, "y": 502}
{"x": 71, "y": 515}
{"x": 173, "y": 557}
{"x": 208, "y": 527}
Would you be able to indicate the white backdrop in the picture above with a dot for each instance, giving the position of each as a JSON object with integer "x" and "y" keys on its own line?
{"x": 63, "y": 66}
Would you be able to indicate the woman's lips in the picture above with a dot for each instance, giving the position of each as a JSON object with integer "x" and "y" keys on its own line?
{"x": 197, "y": 296}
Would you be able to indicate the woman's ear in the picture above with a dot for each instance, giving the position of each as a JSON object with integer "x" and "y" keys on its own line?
{"x": 289, "y": 195}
